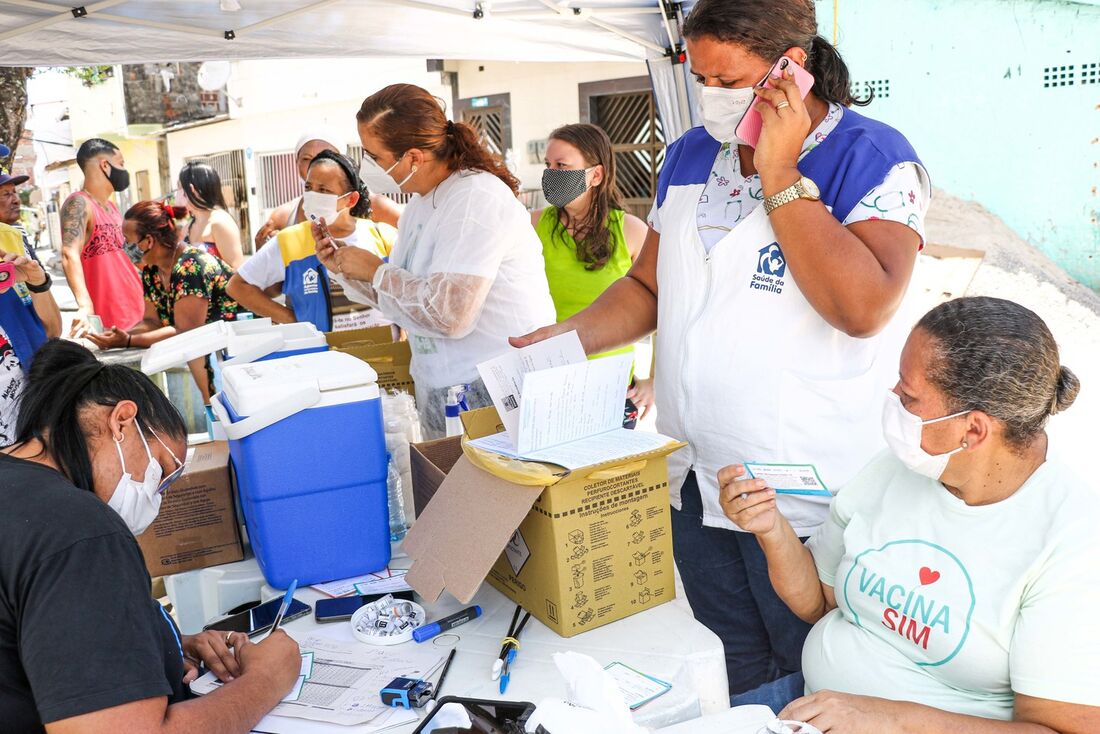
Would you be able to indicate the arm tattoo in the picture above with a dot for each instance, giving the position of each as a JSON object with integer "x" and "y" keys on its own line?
{"x": 73, "y": 225}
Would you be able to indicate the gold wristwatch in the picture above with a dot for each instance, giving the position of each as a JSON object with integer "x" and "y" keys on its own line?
{"x": 803, "y": 188}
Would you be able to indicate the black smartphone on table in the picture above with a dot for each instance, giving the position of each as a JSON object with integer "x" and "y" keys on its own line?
{"x": 259, "y": 618}
{"x": 341, "y": 608}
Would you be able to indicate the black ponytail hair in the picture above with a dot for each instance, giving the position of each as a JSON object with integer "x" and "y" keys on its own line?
{"x": 768, "y": 28}
{"x": 64, "y": 379}
{"x": 202, "y": 185}
{"x": 362, "y": 208}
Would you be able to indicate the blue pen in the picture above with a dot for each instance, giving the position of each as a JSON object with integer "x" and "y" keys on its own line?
{"x": 287, "y": 598}
{"x": 446, "y": 624}
{"x": 506, "y": 675}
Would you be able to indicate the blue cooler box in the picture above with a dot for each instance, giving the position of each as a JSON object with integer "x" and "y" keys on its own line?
{"x": 306, "y": 438}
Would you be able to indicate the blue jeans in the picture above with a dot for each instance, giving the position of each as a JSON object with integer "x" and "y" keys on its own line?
{"x": 775, "y": 695}
{"x": 725, "y": 575}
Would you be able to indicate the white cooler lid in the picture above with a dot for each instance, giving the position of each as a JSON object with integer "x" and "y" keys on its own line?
{"x": 247, "y": 340}
{"x": 299, "y": 335}
{"x": 182, "y": 348}
{"x": 340, "y": 378}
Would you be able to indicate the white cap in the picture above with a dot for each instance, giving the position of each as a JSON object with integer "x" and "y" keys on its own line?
{"x": 325, "y": 134}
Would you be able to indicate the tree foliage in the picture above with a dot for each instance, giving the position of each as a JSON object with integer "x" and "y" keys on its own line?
{"x": 13, "y": 113}
{"x": 90, "y": 75}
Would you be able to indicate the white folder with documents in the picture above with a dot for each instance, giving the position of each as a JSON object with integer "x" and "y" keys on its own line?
{"x": 561, "y": 408}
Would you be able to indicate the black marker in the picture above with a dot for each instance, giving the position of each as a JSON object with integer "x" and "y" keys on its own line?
{"x": 446, "y": 624}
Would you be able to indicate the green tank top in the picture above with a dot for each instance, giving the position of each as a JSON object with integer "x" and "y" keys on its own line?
{"x": 572, "y": 286}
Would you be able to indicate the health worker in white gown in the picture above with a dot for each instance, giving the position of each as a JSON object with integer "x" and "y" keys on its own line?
{"x": 467, "y": 270}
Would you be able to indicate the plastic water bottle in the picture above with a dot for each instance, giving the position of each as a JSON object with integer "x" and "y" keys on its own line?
{"x": 396, "y": 500}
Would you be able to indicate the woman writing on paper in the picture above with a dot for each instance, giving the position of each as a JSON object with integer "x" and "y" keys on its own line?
{"x": 775, "y": 275}
{"x": 84, "y": 649}
{"x": 467, "y": 270}
{"x": 953, "y": 585}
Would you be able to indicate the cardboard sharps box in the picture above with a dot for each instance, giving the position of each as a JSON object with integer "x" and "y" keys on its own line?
{"x": 197, "y": 526}
{"x": 589, "y": 549}
{"x": 375, "y": 346}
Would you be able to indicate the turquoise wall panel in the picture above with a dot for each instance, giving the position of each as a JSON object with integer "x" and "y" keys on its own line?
{"x": 1001, "y": 99}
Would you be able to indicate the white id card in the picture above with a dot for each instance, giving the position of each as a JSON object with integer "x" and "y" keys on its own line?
{"x": 789, "y": 478}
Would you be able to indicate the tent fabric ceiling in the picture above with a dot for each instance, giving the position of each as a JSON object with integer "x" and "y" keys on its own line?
{"x": 46, "y": 33}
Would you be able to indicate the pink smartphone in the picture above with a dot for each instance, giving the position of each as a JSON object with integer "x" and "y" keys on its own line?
{"x": 749, "y": 127}
{"x": 7, "y": 276}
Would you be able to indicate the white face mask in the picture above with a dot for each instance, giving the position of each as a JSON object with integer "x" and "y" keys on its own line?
{"x": 903, "y": 432}
{"x": 138, "y": 503}
{"x": 722, "y": 110}
{"x": 378, "y": 180}
{"x": 322, "y": 206}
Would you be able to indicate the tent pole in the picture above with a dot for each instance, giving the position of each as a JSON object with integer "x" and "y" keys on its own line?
{"x": 284, "y": 16}
{"x": 671, "y": 15}
{"x": 433, "y": 7}
{"x": 145, "y": 23}
{"x": 66, "y": 14}
{"x": 644, "y": 42}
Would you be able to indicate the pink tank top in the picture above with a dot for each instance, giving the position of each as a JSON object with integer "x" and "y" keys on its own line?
{"x": 112, "y": 280}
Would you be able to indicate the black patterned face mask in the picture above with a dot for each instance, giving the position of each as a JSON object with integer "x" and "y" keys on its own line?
{"x": 133, "y": 252}
{"x": 561, "y": 186}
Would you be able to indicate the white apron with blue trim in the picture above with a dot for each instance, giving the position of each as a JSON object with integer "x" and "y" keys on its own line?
{"x": 747, "y": 370}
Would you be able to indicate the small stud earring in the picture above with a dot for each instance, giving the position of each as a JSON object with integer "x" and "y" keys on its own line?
{"x": 965, "y": 445}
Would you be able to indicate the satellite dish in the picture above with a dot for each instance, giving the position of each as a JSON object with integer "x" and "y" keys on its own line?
{"x": 213, "y": 75}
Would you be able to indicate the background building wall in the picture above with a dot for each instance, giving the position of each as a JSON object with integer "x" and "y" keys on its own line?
{"x": 978, "y": 88}
{"x": 543, "y": 97}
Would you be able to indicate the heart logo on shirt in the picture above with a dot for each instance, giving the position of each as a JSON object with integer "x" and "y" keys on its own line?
{"x": 928, "y": 576}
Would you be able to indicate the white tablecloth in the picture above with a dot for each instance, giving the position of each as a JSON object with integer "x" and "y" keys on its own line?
{"x": 665, "y": 642}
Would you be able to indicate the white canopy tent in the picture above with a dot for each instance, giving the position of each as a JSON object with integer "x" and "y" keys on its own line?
{"x": 41, "y": 33}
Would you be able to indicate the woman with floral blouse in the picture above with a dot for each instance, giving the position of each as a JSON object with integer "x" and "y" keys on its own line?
{"x": 184, "y": 287}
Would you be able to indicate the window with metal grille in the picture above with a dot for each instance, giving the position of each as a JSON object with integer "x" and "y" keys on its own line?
{"x": 279, "y": 182}
{"x": 1090, "y": 73}
{"x": 1058, "y": 76}
{"x": 489, "y": 124}
{"x": 230, "y": 167}
{"x": 491, "y": 117}
{"x": 879, "y": 87}
{"x": 625, "y": 109}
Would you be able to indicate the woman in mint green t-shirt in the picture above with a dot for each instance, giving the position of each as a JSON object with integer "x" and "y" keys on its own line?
{"x": 588, "y": 241}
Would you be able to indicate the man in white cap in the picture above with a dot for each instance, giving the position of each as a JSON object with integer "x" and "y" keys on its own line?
{"x": 312, "y": 142}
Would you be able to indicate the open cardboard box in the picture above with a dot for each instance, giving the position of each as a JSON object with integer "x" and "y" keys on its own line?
{"x": 376, "y": 346}
{"x": 197, "y": 525}
{"x": 591, "y": 548}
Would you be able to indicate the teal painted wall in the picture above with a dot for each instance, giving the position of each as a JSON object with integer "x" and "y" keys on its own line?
{"x": 972, "y": 85}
